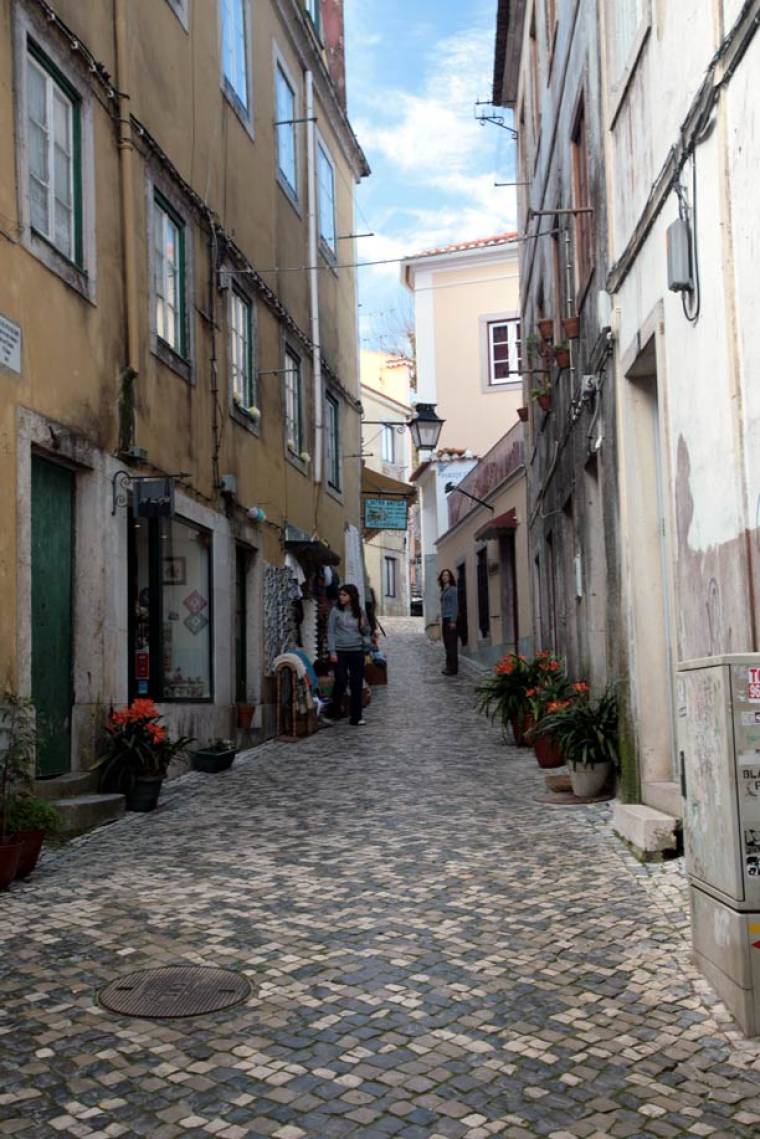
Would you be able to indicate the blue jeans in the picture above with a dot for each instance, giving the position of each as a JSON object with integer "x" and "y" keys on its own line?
{"x": 349, "y": 671}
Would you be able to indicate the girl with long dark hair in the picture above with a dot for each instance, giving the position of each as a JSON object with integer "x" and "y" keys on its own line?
{"x": 348, "y": 639}
{"x": 449, "y": 615}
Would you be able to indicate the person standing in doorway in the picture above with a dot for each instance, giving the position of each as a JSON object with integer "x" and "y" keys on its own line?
{"x": 449, "y": 614}
{"x": 348, "y": 639}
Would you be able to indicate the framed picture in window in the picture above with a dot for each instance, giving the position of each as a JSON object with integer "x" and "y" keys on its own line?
{"x": 175, "y": 572}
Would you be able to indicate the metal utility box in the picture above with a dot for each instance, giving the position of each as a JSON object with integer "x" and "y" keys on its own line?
{"x": 719, "y": 751}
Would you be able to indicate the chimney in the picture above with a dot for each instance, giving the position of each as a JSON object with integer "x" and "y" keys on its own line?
{"x": 335, "y": 48}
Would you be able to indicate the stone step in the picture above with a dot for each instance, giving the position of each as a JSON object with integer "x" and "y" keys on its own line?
{"x": 84, "y": 812}
{"x": 66, "y": 786}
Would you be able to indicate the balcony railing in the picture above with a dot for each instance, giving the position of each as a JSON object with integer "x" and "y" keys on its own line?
{"x": 496, "y": 465}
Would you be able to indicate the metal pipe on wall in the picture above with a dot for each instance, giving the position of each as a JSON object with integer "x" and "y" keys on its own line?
{"x": 125, "y": 147}
{"x": 311, "y": 192}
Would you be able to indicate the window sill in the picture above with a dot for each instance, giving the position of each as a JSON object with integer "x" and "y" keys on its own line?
{"x": 503, "y": 385}
{"x": 57, "y": 262}
{"x": 299, "y": 464}
{"x": 167, "y": 355}
{"x": 334, "y": 491}
{"x": 330, "y": 258}
{"x": 244, "y": 116}
{"x": 241, "y": 416}
{"x": 289, "y": 193}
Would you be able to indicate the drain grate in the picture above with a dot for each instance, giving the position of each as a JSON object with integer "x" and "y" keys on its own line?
{"x": 175, "y": 990}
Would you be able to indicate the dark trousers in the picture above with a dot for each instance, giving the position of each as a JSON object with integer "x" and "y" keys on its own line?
{"x": 451, "y": 644}
{"x": 349, "y": 670}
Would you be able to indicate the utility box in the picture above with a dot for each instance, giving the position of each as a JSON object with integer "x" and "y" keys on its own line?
{"x": 719, "y": 751}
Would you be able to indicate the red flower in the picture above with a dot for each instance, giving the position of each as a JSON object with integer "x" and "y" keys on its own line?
{"x": 580, "y": 686}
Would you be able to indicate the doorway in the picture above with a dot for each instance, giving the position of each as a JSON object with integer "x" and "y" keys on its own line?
{"x": 52, "y": 600}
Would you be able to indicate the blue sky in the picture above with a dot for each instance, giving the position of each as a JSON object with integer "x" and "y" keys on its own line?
{"x": 414, "y": 71}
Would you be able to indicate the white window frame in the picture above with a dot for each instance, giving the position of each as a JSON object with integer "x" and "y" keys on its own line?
{"x": 624, "y": 57}
{"x": 332, "y": 443}
{"x": 487, "y": 323}
{"x": 388, "y": 444}
{"x": 242, "y": 354}
{"x": 328, "y": 242}
{"x": 294, "y": 409}
{"x": 160, "y": 193}
{"x": 281, "y": 71}
{"x": 180, "y": 9}
{"x": 390, "y": 576}
{"x": 244, "y": 110}
{"x": 167, "y": 272}
{"x": 78, "y": 271}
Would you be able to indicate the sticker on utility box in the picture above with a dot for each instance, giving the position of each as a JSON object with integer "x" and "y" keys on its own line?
{"x": 749, "y": 778}
{"x": 753, "y": 685}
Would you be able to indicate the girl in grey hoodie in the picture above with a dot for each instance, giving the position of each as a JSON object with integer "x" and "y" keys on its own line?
{"x": 348, "y": 639}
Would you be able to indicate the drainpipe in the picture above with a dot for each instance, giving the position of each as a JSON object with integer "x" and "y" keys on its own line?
{"x": 311, "y": 197}
{"x": 125, "y": 148}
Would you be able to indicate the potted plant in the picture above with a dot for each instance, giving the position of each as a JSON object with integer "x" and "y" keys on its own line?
{"x": 571, "y": 326}
{"x": 533, "y": 345}
{"x": 522, "y": 414}
{"x": 546, "y": 328}
{"x": 551, "y": 689}
{"x": 253, "y": 413}
{"x": 502, "y": 694}
{"x": 562, "y": 354}
{"x": 245, "y": 714}
{"x": 542, "y": 393}
{"x": 587, "y": 734}
{"x": 138, "y": 753}
{"x": 17, "y": 748}
{"x": 31, "y": 820}
{"x": 215, "y": 756}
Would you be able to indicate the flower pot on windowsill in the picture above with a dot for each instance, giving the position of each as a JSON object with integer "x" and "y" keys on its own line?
{"x": 571, "y": 326}
{"x": 546, "y": 328}
{"x": 522, "y": 414}
{"x": 562, "y": 355}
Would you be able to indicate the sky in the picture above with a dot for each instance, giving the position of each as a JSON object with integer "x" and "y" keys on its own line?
{"x": 414, "y": 71}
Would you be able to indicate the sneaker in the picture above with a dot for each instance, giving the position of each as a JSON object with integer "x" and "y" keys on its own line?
{"x": 328, "y": 721}
{"x": 358, "y": 723}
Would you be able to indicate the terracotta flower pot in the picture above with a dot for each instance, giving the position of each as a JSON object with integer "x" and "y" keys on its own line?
{"x": 31, "y": 845}
{"x": 245, "y": 714}
{"x": 547, "y": 752}
{"x": 571, "y": 326}
{"x": 562, "y": 356}
{"x": 521, "y": 725}
{"x": 546, "y": 328}
{"x": 522, "y": 414}
{"x": 10, "y": 852}
{"x": 544, "y": 402}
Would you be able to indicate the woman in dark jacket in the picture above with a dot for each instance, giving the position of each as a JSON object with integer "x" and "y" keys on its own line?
{"x": 348, "y": 639}
{"x": 449, "y": 614}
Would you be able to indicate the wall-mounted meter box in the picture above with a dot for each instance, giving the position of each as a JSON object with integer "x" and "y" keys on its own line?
{"x": 719, "y": 750}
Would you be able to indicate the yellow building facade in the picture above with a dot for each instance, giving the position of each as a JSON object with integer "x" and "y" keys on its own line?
{"x": 178, "y": 353}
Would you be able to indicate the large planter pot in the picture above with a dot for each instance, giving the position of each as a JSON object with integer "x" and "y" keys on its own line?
{"x": 144, "y": 792}
{"x": 212, "y": 759}
{"x": 544, "y": 402}
{"x": 521, "y": 725}
{"x": 10, "y": 851}
{"x": 562, "y": 356}
{"x": 31, "y": 845}
{"x": 546, "y": 328}
{"x": 587, "y": 782}
{"x": 547, "y": 752}
{"x": 245, "y": 714}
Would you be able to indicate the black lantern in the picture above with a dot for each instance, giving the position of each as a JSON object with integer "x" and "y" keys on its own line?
{"x": 425, "y": 427}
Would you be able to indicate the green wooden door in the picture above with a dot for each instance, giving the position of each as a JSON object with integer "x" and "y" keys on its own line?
{"x": 52, "y": 562}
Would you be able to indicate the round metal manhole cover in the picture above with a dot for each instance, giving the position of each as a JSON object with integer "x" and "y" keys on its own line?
{"x": 183, "y": 990}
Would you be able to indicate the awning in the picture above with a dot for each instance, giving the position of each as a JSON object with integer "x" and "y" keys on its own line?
{"x": 374, "y": 482}
{"x": 497, "y": 526}
{"x": 309, "y": 549}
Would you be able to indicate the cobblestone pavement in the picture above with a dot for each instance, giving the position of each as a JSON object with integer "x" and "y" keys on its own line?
{"x": 433, "y": 953}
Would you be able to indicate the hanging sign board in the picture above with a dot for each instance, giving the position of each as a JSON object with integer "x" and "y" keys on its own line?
{"x": 385, "y": 514}
{"x": 153, "y": 498}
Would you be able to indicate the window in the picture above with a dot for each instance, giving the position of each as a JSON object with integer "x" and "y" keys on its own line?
{"x": 179, "y": 7}
{"x": 241, "y": 351}
{"x": 54, "y": 163}
{"x": 326, "y": 193}
{"x": 332, "y": 412}
{"x": 170, "y": 616}
{"x": 584, "y": 256}
{"x": 391, "y": 566}
{"x": 169, "y": 276}
{"x": 535, "y": 82}
{"x": 484, "y": 616}
{"x": 550, "y": 12}
{"x": 313, "y": 9}
{"x": 503, "y": 351}
{"x": 285, "y": 114}
{"x": 389, "y": 444}
{"x": 293, "y": 403}
{"x": 235, "y": 51}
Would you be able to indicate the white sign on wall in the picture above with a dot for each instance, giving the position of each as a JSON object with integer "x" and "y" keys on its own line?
{"x": 10, "y": 345}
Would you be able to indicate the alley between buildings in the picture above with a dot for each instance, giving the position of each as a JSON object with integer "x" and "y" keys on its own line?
{"x": 432, "y": 952}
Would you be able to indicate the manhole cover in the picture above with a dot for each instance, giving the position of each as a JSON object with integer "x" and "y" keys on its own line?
{"x": 184, "y": 990}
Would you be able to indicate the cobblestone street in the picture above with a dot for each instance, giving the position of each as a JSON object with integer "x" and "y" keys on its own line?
{"x": 433, "y": 953}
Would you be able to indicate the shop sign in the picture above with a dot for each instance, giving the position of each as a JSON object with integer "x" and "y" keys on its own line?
{"x": 10, "y": 345}
{"x": 153, "y": 498}
{"x": 385, "y": 513}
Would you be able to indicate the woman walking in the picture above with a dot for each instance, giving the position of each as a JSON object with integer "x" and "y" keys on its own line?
{"x": 348, "y": 639}
{"x": 449, "y": 614}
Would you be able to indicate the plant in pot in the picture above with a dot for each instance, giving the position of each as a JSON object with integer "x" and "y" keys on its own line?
{"x": 551, "y": 690}
{"x": 571, "y": 326}
{"x": 533, "y": 347}
{"x": 587, "y": 734}
{"x": 562, "y": 354}
{"x": 522, "y": 414}
{"x": 502, "y": 694}
{"x": 541, "y": 393}
{"x": 31, "y": 820}
{"x": 546, "y": 328}
{"x": 138, "y": 752}
{"x": 215, "y": 756}
{"x": 17, "y": 749}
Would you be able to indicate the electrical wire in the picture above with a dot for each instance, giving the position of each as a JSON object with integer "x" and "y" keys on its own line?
{"x": 693, "y": 315}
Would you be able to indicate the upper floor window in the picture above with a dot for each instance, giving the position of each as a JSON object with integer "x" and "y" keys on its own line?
{"x": 503, "y": 344}
{"x": 285, "y": 114}
{"x": 241, "y": 351}
{"x": 326, "y": 195}
{"x": 169, "y": 276}
{"x": 235, "y": 51}
{"x": 293, "y": 403}
{"x": 313, "y": 9}
{"x": 54, "y": 157}
{"x": 550, "y": 14}
{"x": 584, "y": 250}
{"x": 535, "y": 82}
{"x": 390, "y": 576}
{"x": 389, "y": 444}
{"x": 179, "y": 7}
{"x": 332, "y": 413}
